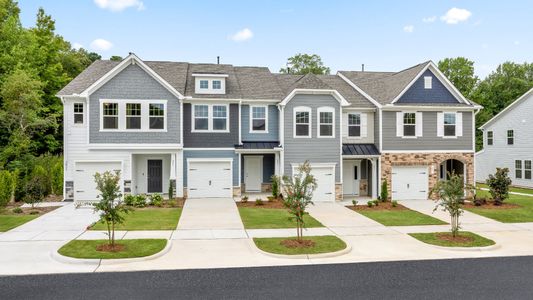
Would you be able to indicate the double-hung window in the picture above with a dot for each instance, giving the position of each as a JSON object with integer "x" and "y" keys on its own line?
{"x": 518, "y": 169}
{"x": 449, "y": 124}
{"x": 133, "y": 115}
{"x": 258, "y": 119}
{"x": 217, "y": 84}
{"x": 209, "y": 117}
{"x": 220, "y": 117}
{"x": 354, "y": 125}
{"x": 302, "y": 122}
{"x": 110, "y": 115}
{"x": 409, "y": 124}
{"x": 204, "y": 84}
{"x": 527, "y": 169}
{"x": 78, "y": 113}
{"x": 490, "y": 138}
{"x": 325, "y": 122}
{"x": 201, "y": 117}
{"x": 510, "y": 137}
{"x": 157, "y": 116}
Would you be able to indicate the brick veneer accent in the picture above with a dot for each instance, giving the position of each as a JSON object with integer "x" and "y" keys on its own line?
{"x": 432, "y": 160}
{"x": 338, "y": 191}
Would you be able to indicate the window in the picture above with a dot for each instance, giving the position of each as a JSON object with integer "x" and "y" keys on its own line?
{"x": 78, "y": 113}
{"x": 110, "y": 115}
{"x": 302, "y": 125}
{"x": 325, "y": 122}
{"x": 133, "y": 116}
{"x": 220, "y": 117}
{"x": 510, "y": 137}
{"x": 428, "y": 82}
{"x": 217, "y": 84}
{"x": 527, "y": 169}
{"x": 354, "y": 125}
{"x": 258, "y": 119}
{"x": 490, "y": 138}
{"x": 157, "y": 116}
{"x": 204, "y": 84}
{"x": 449, "y": 124}
{"x": 518, "y": 169}
{"x": 409, "y": 124}
{"x": 201, "y": 117}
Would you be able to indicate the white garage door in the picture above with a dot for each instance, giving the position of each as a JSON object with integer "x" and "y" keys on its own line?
{"x": 325, "y": 180}
{"x": 209, "y": 179}
{"x": 409, "y": 183}
{"x": 84, "y": 185}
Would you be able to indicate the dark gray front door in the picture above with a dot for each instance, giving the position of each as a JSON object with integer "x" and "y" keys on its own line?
{"x": 155, "y": 176}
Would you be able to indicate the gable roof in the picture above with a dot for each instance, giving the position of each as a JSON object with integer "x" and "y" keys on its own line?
{"x": 509, "y": 107}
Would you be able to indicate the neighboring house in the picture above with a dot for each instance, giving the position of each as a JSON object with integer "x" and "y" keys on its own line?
{"x": 215, "y": 130}
{"x": 508, "y": 143}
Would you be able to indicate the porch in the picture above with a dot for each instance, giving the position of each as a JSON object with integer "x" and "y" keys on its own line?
{"x": 360, "y": 176}
{"x": 152, "y": 173}
{"x": 259, "y": 161}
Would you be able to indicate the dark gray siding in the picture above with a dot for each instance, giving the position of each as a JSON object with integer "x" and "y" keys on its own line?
{"x": 316, "y": 150}
{"x": 212, "y": 154}
{"x": 210, "y": 139}
{"x": 273, "y": 125}
{"x": 376, "y": 129}
{"x": 268, "y": 167}
{"x": 418, "y": 94}
{"x": 134, "y": 83}
{"x": 429, "y": 140}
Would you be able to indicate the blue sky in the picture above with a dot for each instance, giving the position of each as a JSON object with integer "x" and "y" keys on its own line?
{"x": 384, "y": 35}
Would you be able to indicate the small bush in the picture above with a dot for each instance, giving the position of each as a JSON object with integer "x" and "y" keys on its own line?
{"x": 56, "y": 177}
{"x": 34, "y": 212}
{"x": 135, "y": 200}
{"x": 394, "y": 203}
{"x": 376, "y": 202}
{"x": 173, "y": 203}
{"x": 17, "y": 210}
{"x": 499, "y": 185}
{"x": 244, "y": 199}
{"x": 35, "y": 190}
{"x": 275, "y": 185}
{"x": 270, "y": 198}
{"x": 129, "y": 199}
{"x": 354, "y": 202}
{"x": 258, "y": 202}
{"x": 156, "y": 200}
{"x": 6, "y": 187}
{"x": 384, "y": 195}
{"x": 370, "y": 203}
{"x": 171, "y": 190}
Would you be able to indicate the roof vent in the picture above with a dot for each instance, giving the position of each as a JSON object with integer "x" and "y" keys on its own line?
{"x": 218, "y": 60}
{"x": 362, "y": 67}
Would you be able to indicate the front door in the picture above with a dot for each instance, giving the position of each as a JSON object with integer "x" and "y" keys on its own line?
{"x": 253, "y": 173}
{"x": 155, "y": 176}
{"x": 351, "y": 177}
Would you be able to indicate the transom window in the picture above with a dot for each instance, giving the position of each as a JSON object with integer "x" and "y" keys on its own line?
{"x": 110, "y": 115}
{"x": 409, "y": 124}
{"x": 258, "y": 118}
{"x": 78, "y": 113}
{"x": 527, "y": 169}
{"x": 133, "y": 116}
{"x": 204, "y": 84}
{"x": 518, "y": 169}
{"x": 354, "y": 125}
{"x": 217, "y": 84}
{"x": 510, "y": 137}
{"x": 220, "y": 116}
{"x": 210, "y": 117}
{"x": 325, "y": 122}
{"x": 490, "y": 138}
{"x": 449, "y": 124}
{"x": 302, "y": 124}
{"x": 157, "y": 116}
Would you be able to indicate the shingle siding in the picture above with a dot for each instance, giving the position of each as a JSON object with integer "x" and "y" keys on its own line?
{"x": 273, "y": 127}
{"x": 418, "y": 94}
{"x": 211, "y": 139}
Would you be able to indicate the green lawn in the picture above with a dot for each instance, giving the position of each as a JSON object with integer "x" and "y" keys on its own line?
{"x": 521, "y": 214}
{"x": 405, "y": 217}
{"x": 264, "y": 218}
{"x": 512, "y": 189}
{"x": 8, "y": 222}
{"x": 148, "y": 219}
{"x": 431, "y": 238}
{"x": 133, "y": 248}
{"x": 323, "y": 244}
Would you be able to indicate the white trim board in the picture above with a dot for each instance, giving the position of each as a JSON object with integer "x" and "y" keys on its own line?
{"x": 333, "y": 93}
{"x": 508, "y": 108}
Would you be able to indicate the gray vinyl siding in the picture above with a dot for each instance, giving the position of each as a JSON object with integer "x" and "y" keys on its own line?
{"x": 212, "y": 154}
{"x": 437, "y": 94}
{"x": 316, "y": 150}
{"x": 273, "y": 126}
{"x": 429, "y": 141}
{"x": 135, "y": 84}
{"x": 211, "y": 139}
{"x": 268, "y": 167}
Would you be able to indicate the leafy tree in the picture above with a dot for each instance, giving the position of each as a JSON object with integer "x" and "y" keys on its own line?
{"x": 499, "y": 185}
{"x": 115, "y": 58}
{"x": 6, "y": 187}
{"x": 299, "y": 192}
{"x": 460, "y": 71}
{"x": 37, "y": 187}
{"x": 302, "y": 64}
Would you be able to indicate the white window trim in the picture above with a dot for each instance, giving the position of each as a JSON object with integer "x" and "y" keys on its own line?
{"x": 75, "y": 113}
{"x": 428, "y": 82}
{"x": 252, "y": 119}
{"x": 332, "y": 111}
{"x": 403, "y": 124}
{"x": 507, "y": 137}
{"x": 209, "y": 89}
{"x": 302, "y": 109}
{"x": 517, "y": 169}
{"x": 145, "y": 114}
{"x": 444, "y": 136}
{"x": 360, "y": 126}
{"x": 491, "y": 138}
{"x": 210, "y": 118}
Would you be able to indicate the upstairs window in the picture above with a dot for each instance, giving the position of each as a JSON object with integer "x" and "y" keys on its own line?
{"x": 510, "y": 137}
{"x": 209, "y": 118}
{"x": 220, "y": 117}
{"x": 449, "y": 124}
{"x": 157, "y": 116}
{"x": 204, "y": 84}
{"x": 354, "y": 125}
{"x": 518, "y": 169}
{"x": 133, "y": 116}
{"x": 490, "y": 138}
{"x": 527, "y": 169}
{"x": 325, "y": 122}
{"x": 409, "y": 124}
{"x": 110, "y": 115}
{"x": 201, "y": 117}
{"x": 78, "y": 113}
{"x": 302, "y": 124}
{"x": 217, "y": 84}
{"x": 258, "y": 119}
{"x": 428, "y": 82}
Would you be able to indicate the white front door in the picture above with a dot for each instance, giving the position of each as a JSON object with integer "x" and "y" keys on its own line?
{"x": 253, "y": 173}
{"x": 409, "y": 182}
{"x": 84, "y": 185}
{"x": 325, "y": 180}
{"x": 351, "y": 177}
{"x": 209, "y": 179}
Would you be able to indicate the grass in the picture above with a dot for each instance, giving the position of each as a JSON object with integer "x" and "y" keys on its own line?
{"x": 267, "y": 218}
{"x": 133, "y": 248}
{"x": 323, "y": 244}
{"x": 431, "y": 238}
{"x": 511, "y": 189}
{"x": 521, "y": 214}
{"x": 8, "y": 222}
{"x": 147, "y": 219}
{"x": 404, "y": 217}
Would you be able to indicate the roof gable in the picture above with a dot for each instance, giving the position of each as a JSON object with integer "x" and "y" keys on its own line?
{"x": 417, "y": 93}
{"x": 509, "y": 108}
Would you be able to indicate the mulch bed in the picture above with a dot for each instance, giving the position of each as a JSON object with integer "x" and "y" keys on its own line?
{"x": 382, "y": 206}
{"x": 491, "y": 205}
{"x": 110, "y": 248}
{"x": 8, "y": 210}
{"x": 457, "y": 239}
{"x": 298, "y": 244}
{"x": 266, "y": 204}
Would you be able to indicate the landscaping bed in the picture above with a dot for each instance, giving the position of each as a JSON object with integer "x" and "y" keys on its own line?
{"x": 148, "y": 218}
{"x": 445, "y": 239}
{"x": 99, "y": 249}
{"x": 516, "y": 209}
{"x": 399, "y": 215}
{"x": 309, "y": 245}
{"x": 264, "y": 204}
{"x": 13, "y": 215}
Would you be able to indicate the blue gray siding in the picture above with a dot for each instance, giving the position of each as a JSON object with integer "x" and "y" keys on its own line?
{"x": 429, "y": 141}
{"x": 418, "y": 94}
{"x": 316, "y": 150}
{"x": 273, "y": 126}
{"x": 268, "y": 167}
{"x": 212, "y": 154}
{"x": 211, "y": 139}
{"x": 134, "y": 83}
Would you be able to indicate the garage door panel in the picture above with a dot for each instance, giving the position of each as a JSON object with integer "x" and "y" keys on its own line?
{"x": 84, "y": 185}
{"x": 409, "y": 183}
{"x": 210, "y": 179}
{"x": 325, "y": 180}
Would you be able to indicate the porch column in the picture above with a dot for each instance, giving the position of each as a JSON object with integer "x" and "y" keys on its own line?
{"x": 375, "y": 174}
{"x": 173, "y": 166}
{"x": 276, "y": 163}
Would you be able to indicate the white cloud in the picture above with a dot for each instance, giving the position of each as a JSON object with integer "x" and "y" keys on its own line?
{"x": 517, "y": 43}
{"x": 408, "y": 28}
{"x": 101, "y": 45}
{"x": 456, "y": 15}
{"x": 242, "y": 35}
{"x": 77, "y": 45}
{"x": 429, "y": 19}
{"x": 119, "y": 5}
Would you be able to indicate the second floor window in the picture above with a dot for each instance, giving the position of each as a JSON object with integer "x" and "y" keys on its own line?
{"x": 409, "y": 124}
{"x": 354, "y": 125}
{"x": 527, "y": 169}
{"x": 78, "y": 113}
{"x": 510, "y": 137}
{"x": 490, "y": 138}
{"x": 219, "y": 117}
{"x": 325, "y": 122}
{"x": 449, "y": 124}
{"x": 209, "y": 117}
{"x": 157, "y": 116}
{"x": 110, "y": 115}
{"x": 518, "y": 169}
{"x": 302, "y": 122}
{"x": 259, "y": 119}
{"x": 201, "y": 117}
{"x": 133, "y": 116}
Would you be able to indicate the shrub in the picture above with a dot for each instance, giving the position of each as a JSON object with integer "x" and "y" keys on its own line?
{"x": 129, "y": 200}
{"x": 376, "y": 202}
{"x": 34, "y": 212}
{"x": 156, "y": 200}
{"x": 394, "y": 203}
{"x": 258, "y": 201}
{"x": 171, "y": 190}
{"x": 135, "y": 200}
{"x": 354, "y": 202}
{"x": 56, "y": 174}
{"x": 370, "y": 203}
{"x": 275, "y": 185}
{"x": 499, "y": 185}
{"x": 6, "y": 187}
{"x": 17, "y": 210}
{"x": 384, "y": 195}
{"x": 244, "y": 199}
{"x": 173, "y": 203}
{"x": 35, "y": 190}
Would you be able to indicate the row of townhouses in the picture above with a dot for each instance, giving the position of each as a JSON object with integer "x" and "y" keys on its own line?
{"x": 217, "y": 130}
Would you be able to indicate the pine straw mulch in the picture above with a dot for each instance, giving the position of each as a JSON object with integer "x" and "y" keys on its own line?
{"x": 381, "y": 206}
{"x": 110, "y": 248}
{"x": 8, "y": 210}
{"x": 457, "y": 239}
{"x": 275, "y": 203}
{"x": 298, "y": 244}
{"x": 491, "y": 205}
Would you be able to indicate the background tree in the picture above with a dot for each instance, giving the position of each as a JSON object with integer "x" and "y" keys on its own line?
{"x": 115, "y": 58}
{"x": 302, "y": 64}
{"x": 460, "y": 71}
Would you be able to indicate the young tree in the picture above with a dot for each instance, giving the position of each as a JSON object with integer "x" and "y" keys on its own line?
{"x": 499, "y": 185}
{"x": 302, "y": 64}
{"x": 110, "y": 207}
{"x": 299, "y": 191}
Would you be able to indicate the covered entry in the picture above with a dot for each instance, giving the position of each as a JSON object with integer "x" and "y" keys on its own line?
{"x": 451, "y": 166}
{"x": 151, "y": 173}
{"x": 360, "y": 170}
